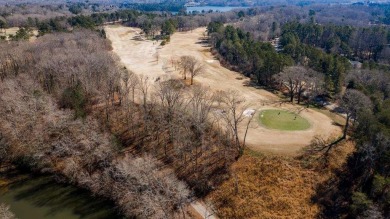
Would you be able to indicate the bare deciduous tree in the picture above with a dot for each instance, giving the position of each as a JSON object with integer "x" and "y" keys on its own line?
{"x": 200, "y": 105}
{"x": 184, "y": 65}
{"x": 149, "y": 194}
{"x": 192, "y": 65}
{"x": 232, "y": 115}
{"x": 288, "y": 79}
{"x": 143, "y": 87}
{"x": 297, "y": 80}
{"x": 196, "y": 68}
{"x": 170, "y": 96}
{"x": 354, "y": 102}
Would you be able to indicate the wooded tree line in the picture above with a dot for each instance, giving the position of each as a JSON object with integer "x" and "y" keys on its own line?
{"x": 265, "y": 23}
{"x": 93, "y": 21}
{"x": 244, "y": 54}
{"x": 154, "y": 25}
{"x": 363, "y": 43}
{"x": 362, "y": 185}
{"x": 333, "y": 66}
{"x": 163, "y": 6}
{"x": 261, "y": 61}
{"x": 17, "y": 15}
{"x": 260, "y": 19}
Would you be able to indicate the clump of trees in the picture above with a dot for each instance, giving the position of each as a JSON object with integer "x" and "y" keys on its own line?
{"x": 361, "y": 43}
{"x": 22, "y": 34}
{"x": 299, "y": 80}
{"x": 334, "y": 67}
{"x": 244, "y": 54}
{"x": 189, "y": 64}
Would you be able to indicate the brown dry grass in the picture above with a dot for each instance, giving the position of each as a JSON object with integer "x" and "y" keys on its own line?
{"x": 274, "y": 187}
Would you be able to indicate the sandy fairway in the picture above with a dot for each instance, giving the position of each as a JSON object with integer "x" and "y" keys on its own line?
{"x": 140, "y": 56}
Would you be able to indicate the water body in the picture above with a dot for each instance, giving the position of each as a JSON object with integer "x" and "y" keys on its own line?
{"x": 213, "y": 8}
{"x": 43, "y": 198}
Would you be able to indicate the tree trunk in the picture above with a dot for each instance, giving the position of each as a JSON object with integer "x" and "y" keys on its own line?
{"x": 246, "y": 132}
{"x": 196, "y": 160}
{"x": 346, "y": 127}
{"x": 299, "y": 97}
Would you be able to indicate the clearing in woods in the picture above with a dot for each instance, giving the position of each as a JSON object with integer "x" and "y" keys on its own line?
{"x": 148, "y": 58}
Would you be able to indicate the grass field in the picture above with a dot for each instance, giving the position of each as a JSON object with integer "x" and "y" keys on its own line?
{"x": 283, "y": 120}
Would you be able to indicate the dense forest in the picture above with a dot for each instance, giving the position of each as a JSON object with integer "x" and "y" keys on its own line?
{"x": 250, "y": 56}
{"x": 355, "y": 43}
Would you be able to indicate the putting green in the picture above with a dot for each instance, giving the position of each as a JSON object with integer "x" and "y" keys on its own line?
{"x": 283, "y": 120}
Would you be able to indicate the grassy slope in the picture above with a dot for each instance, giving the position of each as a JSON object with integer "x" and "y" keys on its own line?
{"x": 337, "y": 119}
{"x": 283, "y": 120}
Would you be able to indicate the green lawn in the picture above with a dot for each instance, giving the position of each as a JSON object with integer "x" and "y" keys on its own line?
{"x": 282, "y": 120}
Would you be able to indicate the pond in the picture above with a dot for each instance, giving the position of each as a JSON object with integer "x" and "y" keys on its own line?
{"x": 42, "y": 197}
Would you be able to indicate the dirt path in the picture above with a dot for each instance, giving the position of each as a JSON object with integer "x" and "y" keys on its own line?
{"x": 140, "y": 56}
{"x": 202, "y": 211}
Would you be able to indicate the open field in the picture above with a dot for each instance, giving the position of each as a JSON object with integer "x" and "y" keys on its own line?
{"x": 283, "y": 120}
{"x": 140, "y": 57}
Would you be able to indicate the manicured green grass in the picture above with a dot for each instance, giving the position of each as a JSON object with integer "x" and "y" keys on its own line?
{"x": 282, "y": 120}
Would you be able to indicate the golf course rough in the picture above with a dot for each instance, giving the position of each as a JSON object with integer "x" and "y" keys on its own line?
{"x": 283, "y": 120}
